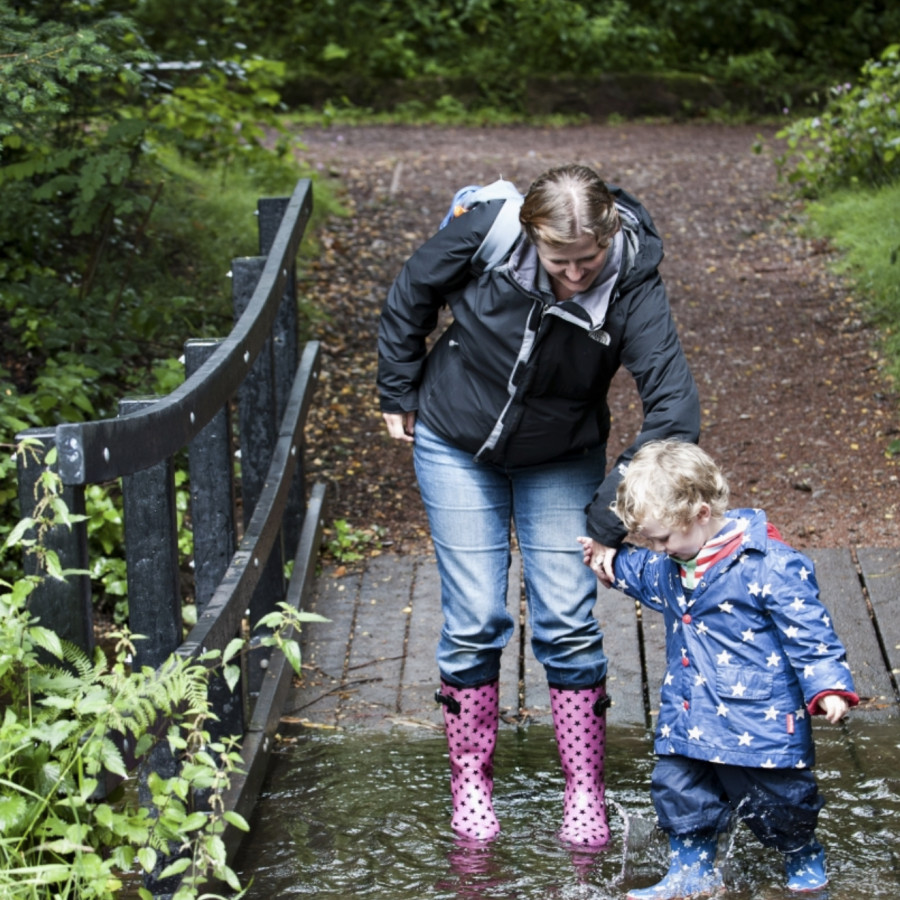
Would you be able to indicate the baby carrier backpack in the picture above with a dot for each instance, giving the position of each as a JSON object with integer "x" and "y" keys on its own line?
{"x": 506, "y": 228}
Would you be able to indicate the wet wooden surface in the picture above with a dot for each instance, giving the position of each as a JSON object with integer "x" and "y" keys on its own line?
{"x": 372, "y": 665}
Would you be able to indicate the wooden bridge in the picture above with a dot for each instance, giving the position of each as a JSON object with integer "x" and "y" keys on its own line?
{"x": 372, "y": 665}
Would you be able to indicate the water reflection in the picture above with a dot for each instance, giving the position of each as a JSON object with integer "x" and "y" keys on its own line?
{"x": 367, "y": 815}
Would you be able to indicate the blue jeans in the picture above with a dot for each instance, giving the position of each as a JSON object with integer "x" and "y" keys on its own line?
{"x": 470, "y": 507}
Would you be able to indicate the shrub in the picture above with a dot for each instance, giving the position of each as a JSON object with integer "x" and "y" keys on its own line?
{"x": 855, "y": 140}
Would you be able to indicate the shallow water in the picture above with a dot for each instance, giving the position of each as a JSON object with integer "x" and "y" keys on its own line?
{"x": 357, "y": 814}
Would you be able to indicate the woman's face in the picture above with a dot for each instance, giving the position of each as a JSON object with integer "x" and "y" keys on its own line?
{"x": 573, "y": 267}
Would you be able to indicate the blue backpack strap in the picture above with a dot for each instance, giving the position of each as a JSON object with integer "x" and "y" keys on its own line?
{"x": 506, "y": 228}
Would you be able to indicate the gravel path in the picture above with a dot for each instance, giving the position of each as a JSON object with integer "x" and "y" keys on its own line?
{"x": 795, "y": 407}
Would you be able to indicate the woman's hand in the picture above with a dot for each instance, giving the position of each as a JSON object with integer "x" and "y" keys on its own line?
{"x": 599, "y": 559}
{"x": 401, "y": 426}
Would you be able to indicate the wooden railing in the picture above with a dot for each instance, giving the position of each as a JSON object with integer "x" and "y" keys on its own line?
{"x": 260, "y": 371}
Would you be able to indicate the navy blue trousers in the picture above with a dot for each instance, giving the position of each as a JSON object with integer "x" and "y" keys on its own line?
{"x": 780, "y": 806}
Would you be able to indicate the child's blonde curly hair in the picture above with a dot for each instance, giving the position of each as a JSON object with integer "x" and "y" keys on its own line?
{"x": 669, "y": 481}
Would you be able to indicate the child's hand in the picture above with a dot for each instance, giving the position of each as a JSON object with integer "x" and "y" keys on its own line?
{"x": 834, "y": 707}
{"x": 599, "y": 559}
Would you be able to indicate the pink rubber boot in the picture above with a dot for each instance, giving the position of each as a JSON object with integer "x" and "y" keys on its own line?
{"x": 579, "y": 721}
{"x": 471, "y": 718}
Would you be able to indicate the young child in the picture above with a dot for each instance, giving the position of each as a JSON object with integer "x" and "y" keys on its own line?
{"x": 750, "y": 656}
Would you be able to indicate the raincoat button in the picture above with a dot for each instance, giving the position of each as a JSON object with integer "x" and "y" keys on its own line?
{"x": 686, "y": 618}
{"x": 685, "y": 661}
{"x": 687, "y": 705}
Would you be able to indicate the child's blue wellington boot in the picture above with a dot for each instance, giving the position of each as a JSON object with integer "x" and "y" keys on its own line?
{"x": 692, "y": 870}
{"x": 806, "y": 868}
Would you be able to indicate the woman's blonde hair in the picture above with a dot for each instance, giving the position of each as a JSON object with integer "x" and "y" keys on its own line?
{"x": 669, "y": 481}
{"x": 566, "y": 203}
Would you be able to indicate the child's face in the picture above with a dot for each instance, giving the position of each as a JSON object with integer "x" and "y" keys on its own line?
{"x": 680, "y": 541}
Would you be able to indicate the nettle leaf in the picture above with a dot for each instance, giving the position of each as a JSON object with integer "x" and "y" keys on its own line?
{"x": 47, "y": 640}
{"x": 147, "y": 857}
{"x": 232, "y": 676}
{"x": 12, "y": 812}
{"x": 237, "y": 820}
{"x": 176, "y": 868}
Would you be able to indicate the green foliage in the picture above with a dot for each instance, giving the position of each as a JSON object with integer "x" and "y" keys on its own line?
{"x": 345, "y": 544}
{"x": 65, "y": 717}
{"x": 282, "y": 625}
{"x": 865, "y": 225}
{"x": 855, "y": 140}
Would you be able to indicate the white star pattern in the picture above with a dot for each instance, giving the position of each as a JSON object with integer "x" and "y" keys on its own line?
{"x": 714, "y": 672}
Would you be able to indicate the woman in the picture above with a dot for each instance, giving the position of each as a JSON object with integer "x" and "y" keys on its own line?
{"x": 510, "y": 420}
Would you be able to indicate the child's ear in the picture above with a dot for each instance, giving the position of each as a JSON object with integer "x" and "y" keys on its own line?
{"x": 704, "y": 514}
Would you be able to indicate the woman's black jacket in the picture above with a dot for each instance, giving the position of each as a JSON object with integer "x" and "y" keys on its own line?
{"x": 519, "y": 379}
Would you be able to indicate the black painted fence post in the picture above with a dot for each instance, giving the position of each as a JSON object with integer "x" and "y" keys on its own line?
{"x": 258, "y": 433}
{"x": 211, "y": 466}
{"x": 63, "y": 606}
{"x": 285, "y": 339}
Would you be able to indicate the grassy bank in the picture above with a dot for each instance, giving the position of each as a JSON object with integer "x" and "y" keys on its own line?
{"x": 864, "y": 225}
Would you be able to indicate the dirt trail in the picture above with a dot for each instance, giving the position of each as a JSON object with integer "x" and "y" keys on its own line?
{"x": 794, "y": 405}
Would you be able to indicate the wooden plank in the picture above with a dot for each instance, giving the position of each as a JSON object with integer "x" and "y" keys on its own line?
{"x": 881, "y": 577}
{"x": 652, "y": 636}
{"x": 323, "y": 646}
{"x": 378, "y": 641}
{"x": 420, "y": 672}
{"x": 511, "y": 662}
{"x": 617, "y": 615}
{"x": 420, "y": 676}
{"x": 841, "y": 592}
